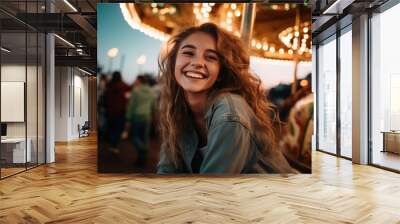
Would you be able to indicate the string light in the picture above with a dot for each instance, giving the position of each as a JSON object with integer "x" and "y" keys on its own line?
{"x": 291, "y": 37}
{"x": 265, "y": 47}
{"x": 287, "y": 6}
{"x": 132, "y": 18}
{"x": 272, "y": 49}
{"x": 202, "y": 11}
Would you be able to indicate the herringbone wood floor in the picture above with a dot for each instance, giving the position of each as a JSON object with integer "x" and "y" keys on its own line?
{"x": 71, "y": 191}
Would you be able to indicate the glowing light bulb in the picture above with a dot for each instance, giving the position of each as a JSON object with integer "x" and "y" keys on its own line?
{"x": 265, "y": 47}
{"x": 141, "y": 60}
{"x": 237, "y": 13}
{"x": 304, "y": 83}
{"x": 113, "y": 52}
{"x": 272, "y": 49}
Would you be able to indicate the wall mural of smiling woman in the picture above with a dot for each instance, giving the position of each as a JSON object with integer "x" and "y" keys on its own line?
{"x": 197, "y": 99}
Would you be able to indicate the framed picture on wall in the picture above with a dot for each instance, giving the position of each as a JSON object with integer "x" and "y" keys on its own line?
{"x": 12, "y": 101}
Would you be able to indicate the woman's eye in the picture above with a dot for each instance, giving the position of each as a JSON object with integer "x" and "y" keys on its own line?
{"x": 210, "y": 57}
{"x": 188, "y": 53}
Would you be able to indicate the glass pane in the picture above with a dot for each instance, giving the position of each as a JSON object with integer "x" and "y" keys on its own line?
{"x": 14, "y": 152}
{"x": 385, "y": 86}
{"x": 41, "y": 98}
{"x": 31, "y": 97}
{"x": 327, "y": 96}
{"x": 346, "y": 94}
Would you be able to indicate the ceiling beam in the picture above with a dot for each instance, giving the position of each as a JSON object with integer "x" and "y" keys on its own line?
{"x": 82, "y": 61}
{"x": 84, "y": 24}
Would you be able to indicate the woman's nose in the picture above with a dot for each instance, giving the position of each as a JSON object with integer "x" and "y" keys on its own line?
{"x": 198, "y": 62}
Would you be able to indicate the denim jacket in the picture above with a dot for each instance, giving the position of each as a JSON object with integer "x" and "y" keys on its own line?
{"x": 233, "y": 146}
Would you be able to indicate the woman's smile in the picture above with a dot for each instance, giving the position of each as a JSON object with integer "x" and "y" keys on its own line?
{"x": 195, "y": 75}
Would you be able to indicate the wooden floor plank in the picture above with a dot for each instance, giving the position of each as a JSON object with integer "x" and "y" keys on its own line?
{"x": 71, "y": 191}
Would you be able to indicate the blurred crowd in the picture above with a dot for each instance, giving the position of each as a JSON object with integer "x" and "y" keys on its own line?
{"x": 127, "y": 113}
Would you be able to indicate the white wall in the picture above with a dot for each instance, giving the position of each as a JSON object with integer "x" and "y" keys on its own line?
{"x": 71, "y": 94}
{"x": 62, "y": 81}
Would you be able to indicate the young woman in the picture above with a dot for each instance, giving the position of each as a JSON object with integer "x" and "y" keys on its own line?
{"x": 213, "y": 114}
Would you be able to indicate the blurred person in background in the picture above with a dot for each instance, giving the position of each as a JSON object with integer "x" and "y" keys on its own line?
{"x": 139, "y": 117}
{"x": 213, "y": 113}
{"x": 115, "y": 103}
{"x": 155, "y": 88}
{"x": 101, "y": 107}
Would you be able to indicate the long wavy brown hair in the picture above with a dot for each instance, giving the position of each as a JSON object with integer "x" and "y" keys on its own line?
{"x": 234, "y": 77}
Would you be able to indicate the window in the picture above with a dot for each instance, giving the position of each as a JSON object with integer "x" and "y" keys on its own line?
{"x": 327, "y": 95}
{"x": 346, "y": 93}
{"x": 385, "y": 89}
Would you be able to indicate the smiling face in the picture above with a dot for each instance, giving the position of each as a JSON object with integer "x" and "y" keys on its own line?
{"x": 197, "y": 63}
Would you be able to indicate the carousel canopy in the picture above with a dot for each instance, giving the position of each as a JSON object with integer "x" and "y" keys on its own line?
{"x": 280, "y": 31}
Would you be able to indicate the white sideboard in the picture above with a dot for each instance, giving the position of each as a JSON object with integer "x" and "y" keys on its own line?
{"x": 18, "y": 149}
{"x": 391, "y": 141}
